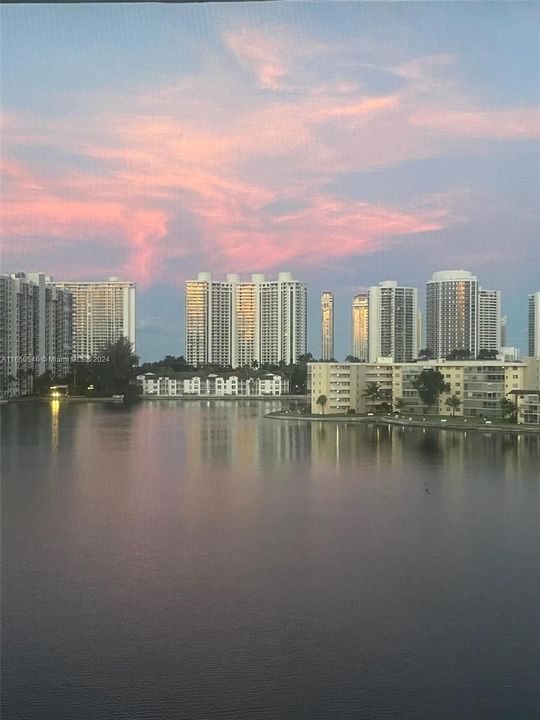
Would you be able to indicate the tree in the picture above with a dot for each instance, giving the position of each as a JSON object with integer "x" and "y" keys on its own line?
{"x": 322, "y": 400}
{"x": 372, "y": 393}
{"x": 430, "y": 384}
{"x": 352, "y": 359}
{"x": 115, "y": 375}
{"x": 305, "y": 359}
{"x": 453, "y": 402}
{"x": 459, "y": 354}
{"x": 487, "y": 355}
{"x": 508, "y": 409}
{"x": 426, "y": 354}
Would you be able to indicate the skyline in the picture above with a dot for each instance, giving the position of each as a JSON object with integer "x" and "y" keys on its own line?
{"x": 359, "y": 141}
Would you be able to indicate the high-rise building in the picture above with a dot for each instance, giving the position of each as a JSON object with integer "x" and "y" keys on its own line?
{"x": 452, "y": 312}
{"x": 489, "y": 319}
{"x": 534, "y": 325}
{"x": 35, "y": 331}
{"x": 103, "y": 311}
{"x": 360, "y": 339}
{"x": 504, "y": 331}
{"x": 237, "y": 323}
{"x": 327, "y": 325}
{"x": 392, "y": 322}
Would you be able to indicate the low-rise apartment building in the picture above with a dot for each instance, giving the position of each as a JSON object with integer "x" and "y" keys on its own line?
{"x": 343, "y": 385}
{"x": 480, "y": 385}
{"x": 227, "y": 384}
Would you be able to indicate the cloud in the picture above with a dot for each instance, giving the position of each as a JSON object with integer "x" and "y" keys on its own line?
{"x": 215, "y": 149}
{"x": 262, "y": 56}
{"x": 495, "y": 124}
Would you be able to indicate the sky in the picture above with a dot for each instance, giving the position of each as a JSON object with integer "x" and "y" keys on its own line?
{"x": 348, "y": 143}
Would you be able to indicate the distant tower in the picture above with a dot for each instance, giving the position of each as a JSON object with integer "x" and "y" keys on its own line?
{"x": 504, "y": 331}
{"x": 360, "y": 314}
{"x": 534, "y": 325}
{"x": 489, "y": 320}
{"x": 327, "y": 325}
{"x": 452, "y": 312}
{"x": 393, "y": 321}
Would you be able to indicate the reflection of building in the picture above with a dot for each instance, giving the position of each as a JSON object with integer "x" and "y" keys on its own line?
{"x": 452, "y": 312}
{"x": 489, "y": 320}
{"x": 480, "y": 385}
{"x": 327, "y": 326}
{"x": 360, "y": 314}
{"x": 392, "y": 323}
{"x": 236, "y": 323}
{"x": 35, "y": 331}
{"x": 191, "y": 383}
{"x": 103, "y": 311}
{"x": 534, "y": 325}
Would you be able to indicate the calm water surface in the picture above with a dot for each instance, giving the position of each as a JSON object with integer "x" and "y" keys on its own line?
{"x": 197, "y": 561}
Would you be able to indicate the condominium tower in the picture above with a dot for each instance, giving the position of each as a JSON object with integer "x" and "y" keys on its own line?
{"x": 489, "y": 320}
{"x": 534, "y": 325}
{"x": 360, "y": 339}
{"x": 452, "y": 312}
{"x": 327, "y": 325}
{"x": 392, "y": 322}
{"x": 103, "y": 311}
{"x": 35, "y": 331}
{"x": 237, "y": 323}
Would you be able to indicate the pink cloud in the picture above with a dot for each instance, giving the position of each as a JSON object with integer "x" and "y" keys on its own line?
{"x": 521, "y": 123}
{"x": 261, "y": 55}
{"x": 192, "y": 148}
{"x": 365, "y": 106}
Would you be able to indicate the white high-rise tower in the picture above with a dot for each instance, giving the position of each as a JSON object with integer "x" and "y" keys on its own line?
{"x": 489, "y": 320}
{"x": 103, "y": 311}
{"x": 360, "y": 315}
{"x": 327, "y": 325}
{"x": 237, "y": 323}
{"x": 534, "y": 325}
{"x": 392, "y": 323}
{"x": 452, "y": 312}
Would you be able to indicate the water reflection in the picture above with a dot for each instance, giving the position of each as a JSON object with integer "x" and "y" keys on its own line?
{"x": 55, "y": 425}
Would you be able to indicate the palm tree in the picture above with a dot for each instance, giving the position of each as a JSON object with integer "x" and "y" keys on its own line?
{"x": 372, "y": 393}
{"x": 453, "y": 402}
{"x": 322, "y": 400}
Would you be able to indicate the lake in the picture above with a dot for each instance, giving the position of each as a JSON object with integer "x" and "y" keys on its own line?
{"x": 194, "y": 560}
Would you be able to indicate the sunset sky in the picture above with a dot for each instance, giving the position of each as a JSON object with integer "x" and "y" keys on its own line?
{"x": 348, "y": 143}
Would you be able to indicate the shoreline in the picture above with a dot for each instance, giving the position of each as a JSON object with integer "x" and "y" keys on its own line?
{"x": 82, "y": 398}
{"x": 234, "y": 398}
{"x": 401, "y": 422}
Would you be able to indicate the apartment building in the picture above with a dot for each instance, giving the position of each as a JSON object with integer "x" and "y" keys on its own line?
{"x": 481, "y": 385}
{"x": 103, "y": 311}
{"x": 452, "y": 312}
{"x": 327, "y": 325}
{"x": 534, "y": 324}
{"x": 234, "y": 323}
{"x": 392, "y": 322}
{"x": 215, "y": 385}
{"x": 343, "y": 385}
{"x": 360, "y": 334}
{"x": 35, "y": 331}
{"x": 489, "y": 320}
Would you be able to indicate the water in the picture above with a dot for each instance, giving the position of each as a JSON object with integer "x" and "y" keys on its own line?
{"x": 198, "y": 561}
